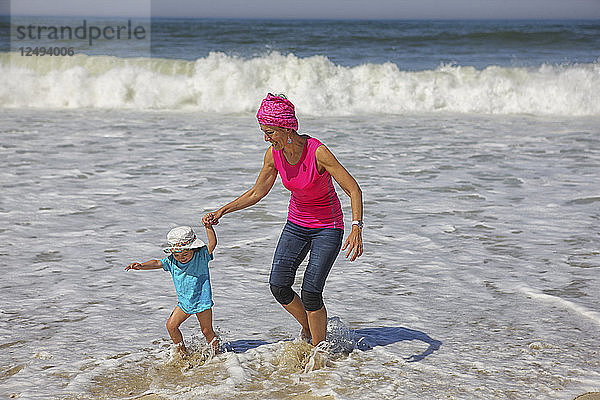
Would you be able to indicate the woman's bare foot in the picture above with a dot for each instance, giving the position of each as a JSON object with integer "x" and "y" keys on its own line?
{"x": 306, "y": 336}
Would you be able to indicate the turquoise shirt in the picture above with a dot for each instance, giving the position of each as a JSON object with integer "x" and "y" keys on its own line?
{"x": 191, "y": 280}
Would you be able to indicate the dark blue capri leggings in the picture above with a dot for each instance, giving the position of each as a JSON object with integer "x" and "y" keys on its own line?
{"x": 294, "y": 243}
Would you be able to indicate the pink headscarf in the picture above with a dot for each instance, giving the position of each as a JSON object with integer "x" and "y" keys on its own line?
{"x": 277, "y": 111}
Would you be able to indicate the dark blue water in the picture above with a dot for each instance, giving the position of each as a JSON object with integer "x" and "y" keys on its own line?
{"x": 412, "y": 45}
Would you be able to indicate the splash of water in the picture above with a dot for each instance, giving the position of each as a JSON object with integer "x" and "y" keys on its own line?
{"x": 340, "y": 338}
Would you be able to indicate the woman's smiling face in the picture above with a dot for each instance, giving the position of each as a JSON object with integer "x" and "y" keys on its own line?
{"x": 274, "y": 135}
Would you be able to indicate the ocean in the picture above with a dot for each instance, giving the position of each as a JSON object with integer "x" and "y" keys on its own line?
{"x": 477, "y": 148}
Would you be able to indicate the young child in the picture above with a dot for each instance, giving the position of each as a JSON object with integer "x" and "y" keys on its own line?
{"x": 188, "y": 265}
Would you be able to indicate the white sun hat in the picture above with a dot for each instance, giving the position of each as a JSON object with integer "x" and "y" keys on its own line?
{"x": 182, "y": 238}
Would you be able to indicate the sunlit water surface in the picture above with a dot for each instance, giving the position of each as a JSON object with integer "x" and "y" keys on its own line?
{"x": 479, "y": 278}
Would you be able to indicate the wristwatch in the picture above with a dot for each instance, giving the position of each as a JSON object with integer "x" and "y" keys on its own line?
{"x": 358, "y": 222}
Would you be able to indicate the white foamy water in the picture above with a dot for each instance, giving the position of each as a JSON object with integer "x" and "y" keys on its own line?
{"x": 226, "y": 84}
{"x": 479, "y": 278}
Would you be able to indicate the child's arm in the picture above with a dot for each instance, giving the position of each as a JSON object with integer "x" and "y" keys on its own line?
{"x": 152, "y": 264}
{"x": 212, "y": 238}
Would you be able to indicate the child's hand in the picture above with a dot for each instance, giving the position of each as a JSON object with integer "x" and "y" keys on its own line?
{"x": 210, "y": 219}
{"x": 135, "y": 265}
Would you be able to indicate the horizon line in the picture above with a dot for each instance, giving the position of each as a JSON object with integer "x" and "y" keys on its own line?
{"x": 311, "y": 18}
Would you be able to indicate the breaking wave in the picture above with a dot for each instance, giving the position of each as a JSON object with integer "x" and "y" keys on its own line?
{"x": 220, "y": 83}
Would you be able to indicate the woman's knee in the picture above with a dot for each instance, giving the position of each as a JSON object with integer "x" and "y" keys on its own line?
{"x": 283, "y": 294}
{"x": 312, "y": 301}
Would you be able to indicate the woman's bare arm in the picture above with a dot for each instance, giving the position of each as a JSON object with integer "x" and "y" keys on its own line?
{"x": 264, "y": 183}
{"x": 327, "y": 160}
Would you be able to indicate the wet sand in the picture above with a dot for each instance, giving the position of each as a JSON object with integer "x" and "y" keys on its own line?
{"x": 589, "y": 396}
{"x": 586, "y": 396}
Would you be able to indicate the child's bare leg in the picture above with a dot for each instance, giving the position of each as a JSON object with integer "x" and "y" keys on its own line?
{"x": 205, "y": 319}
{"x": 175, "y": 320}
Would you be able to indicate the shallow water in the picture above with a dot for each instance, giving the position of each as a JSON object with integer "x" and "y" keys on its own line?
{"x": 479, "y": 278}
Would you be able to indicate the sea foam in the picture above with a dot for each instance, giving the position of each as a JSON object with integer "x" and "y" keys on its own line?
{"x": 577, "y": 308}
{"x": 220, "y": 83}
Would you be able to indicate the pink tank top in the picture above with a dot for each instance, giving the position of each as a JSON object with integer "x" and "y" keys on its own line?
{"x": 314, "y": 202}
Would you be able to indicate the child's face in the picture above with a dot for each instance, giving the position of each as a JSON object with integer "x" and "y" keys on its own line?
{"x": 183, "y": 256}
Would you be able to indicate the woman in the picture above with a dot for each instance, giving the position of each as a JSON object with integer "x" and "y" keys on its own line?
{"x": 315, "y": 221}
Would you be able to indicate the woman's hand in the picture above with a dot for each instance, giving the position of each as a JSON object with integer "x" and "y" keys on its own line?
{"x": 354, "y": 243}
{"x": 212, "y": 218}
